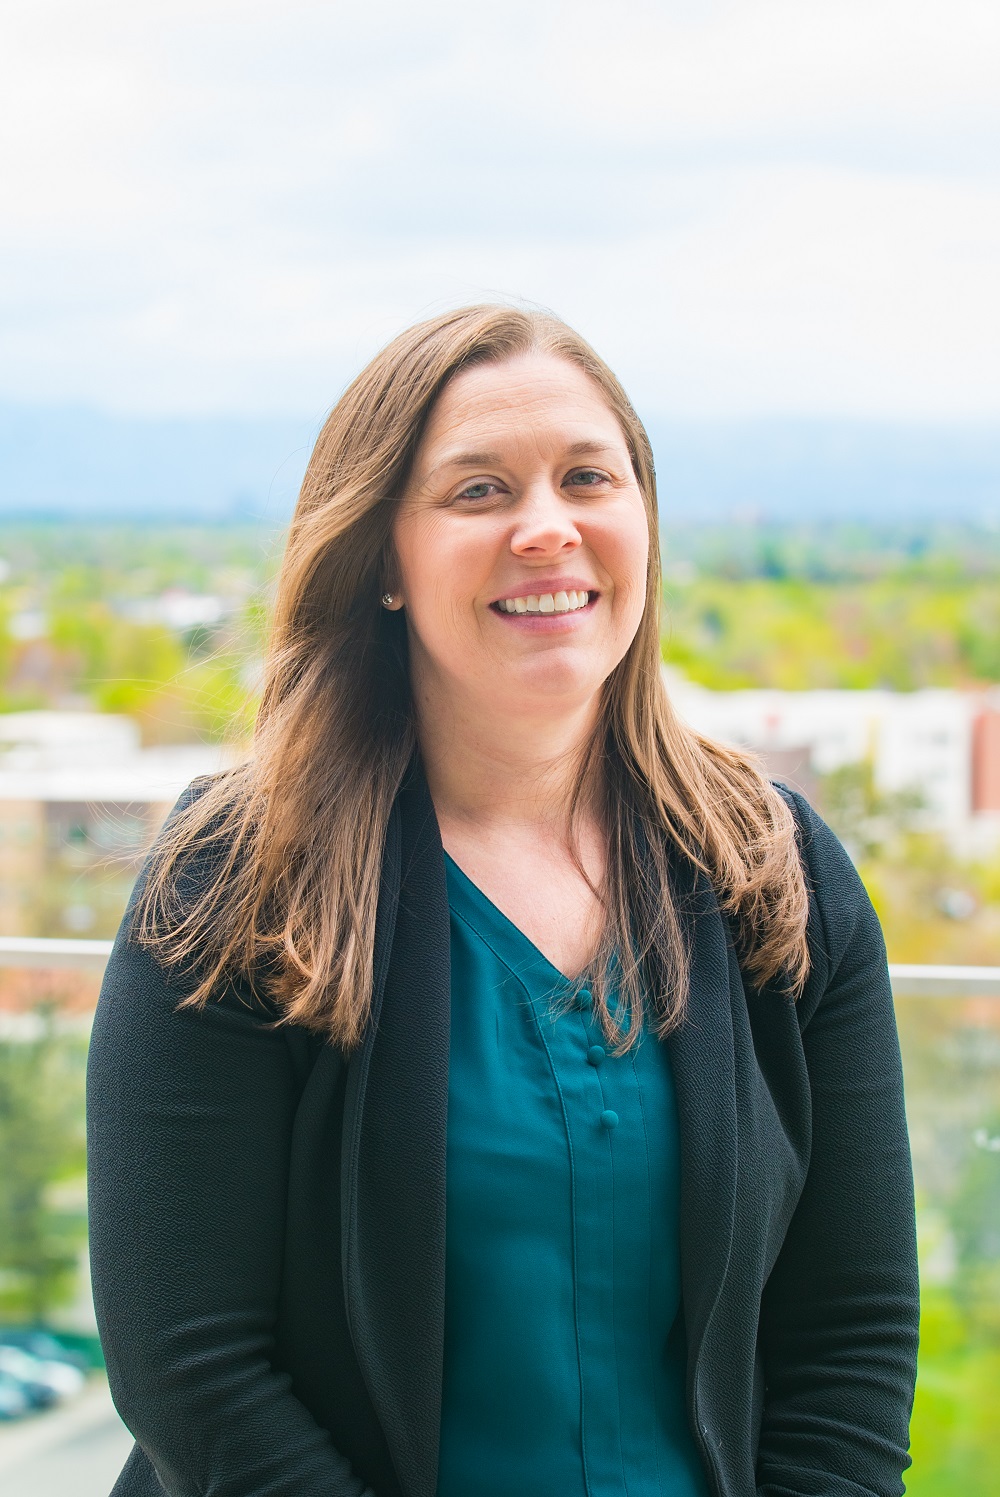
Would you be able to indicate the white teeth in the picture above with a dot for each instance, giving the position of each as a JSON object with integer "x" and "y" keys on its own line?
{"x": 563, "y": 602}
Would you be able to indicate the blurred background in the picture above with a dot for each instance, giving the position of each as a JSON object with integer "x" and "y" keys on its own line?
{"x": 780, "y": 224}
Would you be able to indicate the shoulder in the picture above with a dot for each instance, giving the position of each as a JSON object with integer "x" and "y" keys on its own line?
{"x": 824, "y": 855}
{"x": 842, "y": 922}
{"x": 194, "y": 836}
{"x": 177, "y": 884}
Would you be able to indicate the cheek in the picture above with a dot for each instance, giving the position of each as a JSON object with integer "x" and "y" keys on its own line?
{"x": 421, "y": 569}
{"x": 407, "y": 552}
{"x": 629, "y": 541}
{"x": 437, "y": 574}
{"x": 444, "y": 560}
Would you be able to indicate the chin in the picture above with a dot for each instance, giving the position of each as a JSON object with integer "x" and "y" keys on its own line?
{"x": 551, "y": 680}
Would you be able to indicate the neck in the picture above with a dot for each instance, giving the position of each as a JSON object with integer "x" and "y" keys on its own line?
{"x": 488, "y": 768}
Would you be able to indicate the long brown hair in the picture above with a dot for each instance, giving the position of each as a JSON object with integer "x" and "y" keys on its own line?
{"x": 289, "y": 844}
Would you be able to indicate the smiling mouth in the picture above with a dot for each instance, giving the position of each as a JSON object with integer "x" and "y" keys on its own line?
{"x": 545, "y": 603}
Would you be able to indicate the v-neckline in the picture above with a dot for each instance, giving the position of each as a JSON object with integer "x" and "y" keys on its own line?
{"x": 512, "y": 935}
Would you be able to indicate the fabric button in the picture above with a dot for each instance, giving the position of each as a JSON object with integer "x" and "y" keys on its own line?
{"x": 596, "y": 1054}
{"x": 584, "y": 998}
{"x": 609, "y": 1120}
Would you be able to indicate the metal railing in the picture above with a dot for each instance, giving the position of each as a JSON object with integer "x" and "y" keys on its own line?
{"x": 908, "y": 981}
{"x": 912, "y": 981}
{"x": 35, "y": 951}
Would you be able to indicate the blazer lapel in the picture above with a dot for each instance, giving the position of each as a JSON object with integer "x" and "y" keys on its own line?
{"x": 395, "y": 1138}
{"x": 702, "y": 1059}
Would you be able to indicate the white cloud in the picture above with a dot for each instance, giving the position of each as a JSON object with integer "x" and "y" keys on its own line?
{"x": 753, "y": 206}
{"x": 780, "y": 68}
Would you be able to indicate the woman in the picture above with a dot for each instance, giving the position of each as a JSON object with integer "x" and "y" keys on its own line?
{"x": 479, "y": 1102}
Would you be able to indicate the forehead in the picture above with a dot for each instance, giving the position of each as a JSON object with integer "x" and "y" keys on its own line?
{"x": 536, "y": 395}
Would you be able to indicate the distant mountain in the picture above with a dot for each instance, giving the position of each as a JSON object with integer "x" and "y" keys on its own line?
{"x": 74, "y": 462}
{"x": 808, "y": 470}
{"x": 67, "y": 461}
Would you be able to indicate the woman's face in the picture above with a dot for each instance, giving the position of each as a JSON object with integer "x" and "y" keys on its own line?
{"x": 521, "y": 541}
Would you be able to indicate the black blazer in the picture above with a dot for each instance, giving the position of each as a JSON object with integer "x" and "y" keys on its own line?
{"x": 268, "y": 1217}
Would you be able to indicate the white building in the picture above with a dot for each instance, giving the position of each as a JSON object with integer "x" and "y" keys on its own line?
{"x": 95, "y": 758}
{"x": 941, "y": 743}
{"x": 80, "y": 801}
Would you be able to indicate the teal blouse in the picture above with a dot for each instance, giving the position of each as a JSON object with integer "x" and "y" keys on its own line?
{"x": 564, "y": 1343}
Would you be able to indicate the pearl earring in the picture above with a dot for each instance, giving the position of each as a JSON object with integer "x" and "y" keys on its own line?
{"x": 387, "y": 600}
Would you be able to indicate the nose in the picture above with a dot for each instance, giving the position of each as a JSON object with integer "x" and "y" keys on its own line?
{"x": 544, "y": 524}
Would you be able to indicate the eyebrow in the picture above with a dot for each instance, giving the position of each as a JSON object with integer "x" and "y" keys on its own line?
{"x": 487, "y": 459}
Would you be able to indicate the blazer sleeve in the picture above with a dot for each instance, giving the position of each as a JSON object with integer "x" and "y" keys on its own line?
{"x": 839, "y": 1319}
{"x": 190, "y": 1117}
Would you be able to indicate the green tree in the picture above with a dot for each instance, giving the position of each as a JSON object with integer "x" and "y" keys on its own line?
{"x": 41, "y": 1145}
{"x": 870, "y": 822}
{"x": 975, "y": 1219}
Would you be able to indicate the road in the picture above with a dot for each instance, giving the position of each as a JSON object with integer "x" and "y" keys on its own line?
{"x": 77, "y": 1451}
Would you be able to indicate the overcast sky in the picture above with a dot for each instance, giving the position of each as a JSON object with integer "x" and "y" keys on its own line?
{"x": 773, "y": 206}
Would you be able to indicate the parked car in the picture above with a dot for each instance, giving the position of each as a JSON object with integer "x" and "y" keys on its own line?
{"x": 42, "y": 1344}
{"x": 14, "y": 1401}
{"x": 44, "y": 1383}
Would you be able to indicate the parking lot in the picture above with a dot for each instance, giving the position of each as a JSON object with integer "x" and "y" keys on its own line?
{"x": 76, "y": 1450}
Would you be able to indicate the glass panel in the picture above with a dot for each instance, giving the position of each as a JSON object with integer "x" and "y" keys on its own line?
{"x": 951, "y": 1059}
{"x": 59, "y": 1431}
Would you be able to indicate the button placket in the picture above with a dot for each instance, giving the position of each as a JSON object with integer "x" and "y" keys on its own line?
{"x": 596, "y": 1054}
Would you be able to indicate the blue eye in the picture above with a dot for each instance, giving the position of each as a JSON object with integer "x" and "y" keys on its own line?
{"x": 476, "y": 491}
{"x": 588, "y": 477}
